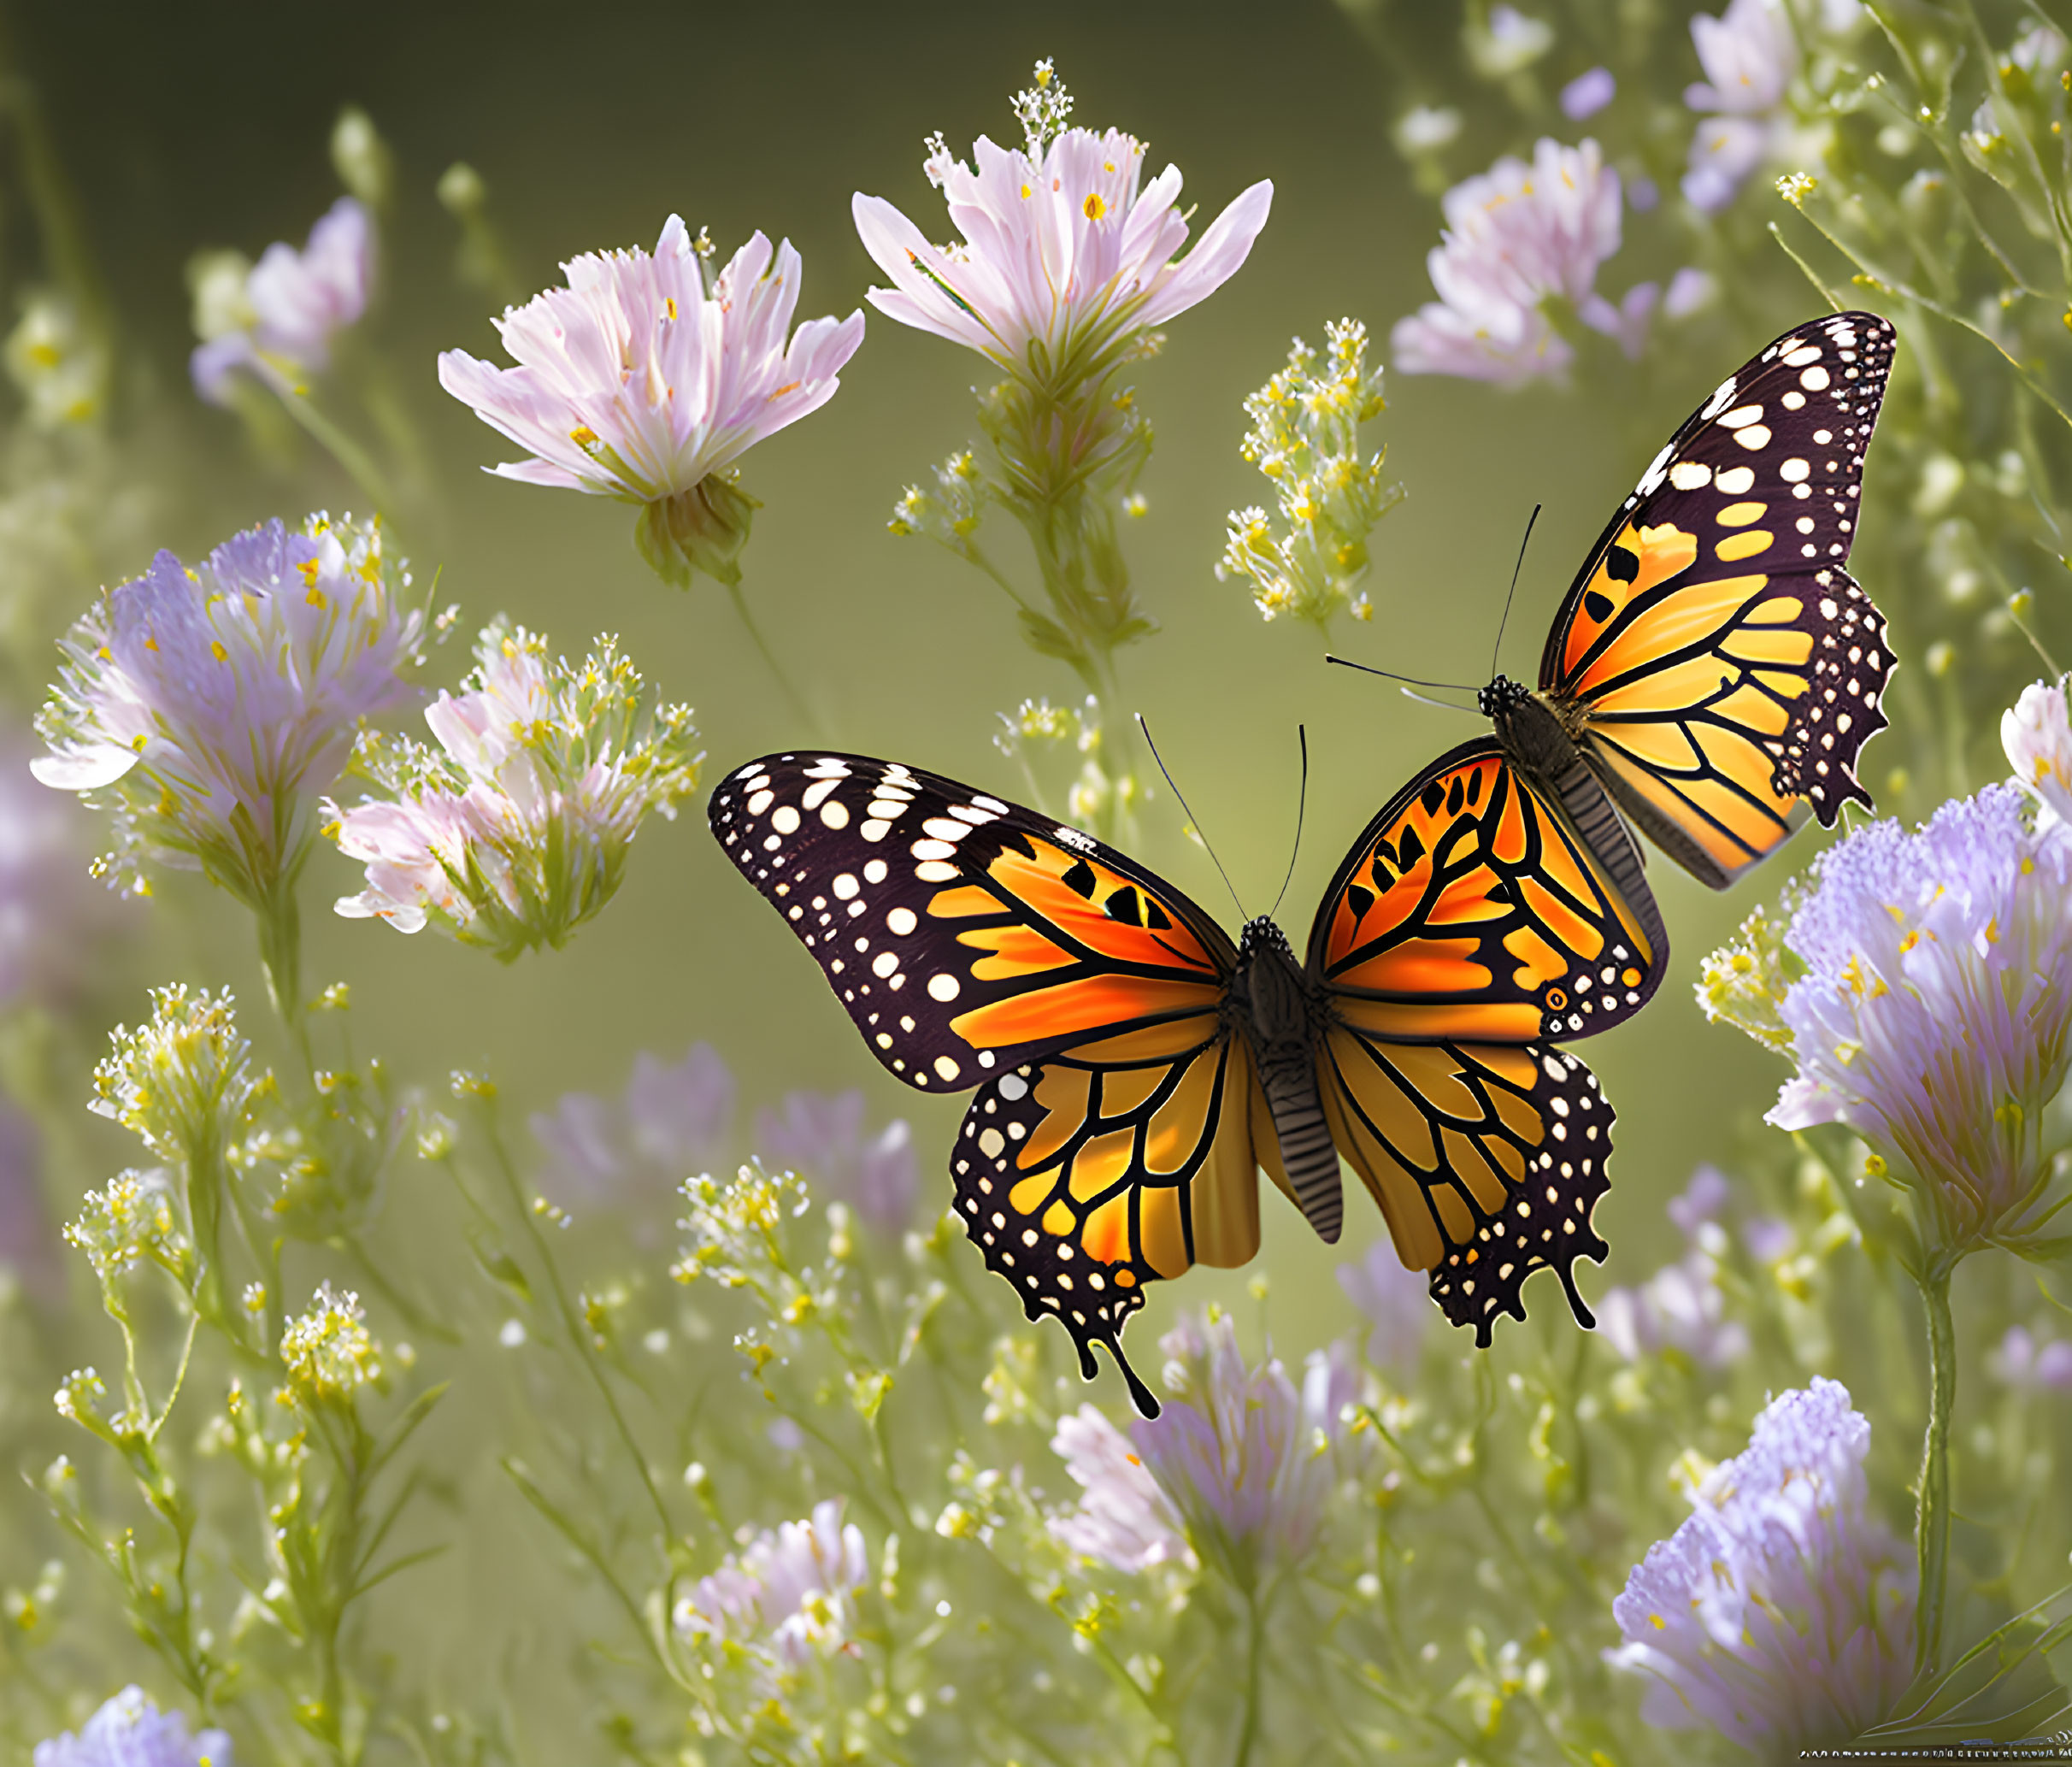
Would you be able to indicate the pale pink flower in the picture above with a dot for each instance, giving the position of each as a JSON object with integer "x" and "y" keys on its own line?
{"x": 791, "y": 1592}
{"x": 1123, "y": 1517}
{"x": 515, "y": 830}
{"x": 2038, "y": 739}
{"x": 1065, "y": 263}
{"x": 293, "y": 304}
{"x": 1749, "y": 54}
{"x": 641, "y": 382}
{"x": 1515, "y": 237}
{"x": 2022, "y": 1362}
{"x": 674, "y": 1118}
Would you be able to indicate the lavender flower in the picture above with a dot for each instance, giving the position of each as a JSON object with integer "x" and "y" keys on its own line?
{"x": 2038, "y": 739}
{"x": 211, "y": 707}
{"x": 1517, "y": 238}
{"x": 823, "y": 1134}
{"x": 1780, "y": 1613}
{"x": 1066, "y": 265}
{"x": 1749, "y": 54}
{"x": 674, "y": 1119}
{"x": 1933, "y": 1017}
{"x": 1588, "y": 93}
{"x": 2022, "y": 1362}
{"x": 277, "y": 318}
{"x": 1243, "y": 1456}
{"x": 1396, "y": 1302}
{"x": 130, "y": 1731}
{"x": 515, "y": 830}
{"x": 1681, "y": 1307}
{"x": 1123, "y": 1518}
{"x": 791, "y": 1592}
{"x": 49, "y": 928}
{"x": 646, "y": 380}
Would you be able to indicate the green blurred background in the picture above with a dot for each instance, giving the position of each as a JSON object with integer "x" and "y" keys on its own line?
{"x": 184, "y": 127}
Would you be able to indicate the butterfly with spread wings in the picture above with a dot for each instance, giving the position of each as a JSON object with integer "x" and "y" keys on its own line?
{"x": 1136, "y": 1069}
{"x": 1714, "y": 671}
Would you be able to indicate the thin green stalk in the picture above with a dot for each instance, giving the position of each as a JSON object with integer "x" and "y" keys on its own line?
{"x": 578, "y": 1337}
{"x": 1931, "y": 1511}
{"x": 358, "y": 463}
{"x": 769, "y": 657}
{"x": 1255, "y": 1653}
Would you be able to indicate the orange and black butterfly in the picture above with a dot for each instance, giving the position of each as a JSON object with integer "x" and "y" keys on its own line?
{"x": 1714, "y": 671}
{"x": 1136, "y": 1069}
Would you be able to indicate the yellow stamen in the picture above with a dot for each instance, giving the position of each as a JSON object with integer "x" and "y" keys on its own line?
{"x": 221, "y": 655}
{"x": 583, "y": 436}
{"x": 669, "y": 306}
{"x": 1093, "y": 207}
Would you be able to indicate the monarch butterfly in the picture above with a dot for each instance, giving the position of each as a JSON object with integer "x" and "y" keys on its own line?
{"x": 1713, "y": 670}
{"x": 1135, "y": 1069}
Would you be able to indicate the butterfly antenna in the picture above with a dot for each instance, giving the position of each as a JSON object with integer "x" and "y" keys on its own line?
{"x": 1445, "y": 705}
{"x": 1496, "y": 649}
{"x": 1206, "y": 848}
{"x": 1302, "y": 800}
{"x": 1390, "y": 675}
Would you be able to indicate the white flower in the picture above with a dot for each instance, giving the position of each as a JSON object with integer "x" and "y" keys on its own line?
{"x": 1516, "y": 236}
{"x": 515, "y": 830}
{"x": 1123, "y": 1517}
{"x": 1512, "y": 42}
{"x": 2039, "y": 743}
{"x": 638, "y": 381}
{"x": 59, "y": 364}
{"x": 293, "y": 304}
{"x": 792, "y": 1591}
{"x": 1065, "y": 262}
{"x": 211, "y": 707}
{"x": 1425, "y": 128}
{"x": 130, "y": 1731}
{"x": 1781, "y": 1612}
{"x": 328, "y": 1351}
{"x": 1933, "y": 1016}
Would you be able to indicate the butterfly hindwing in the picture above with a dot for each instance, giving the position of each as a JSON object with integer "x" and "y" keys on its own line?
{"x": 1720, "y": 663}
{"x": 1471, "y": 910}
{"x": 1487, "y": 1160}
{"x": 1081, "y": 1181}
{"x": 967, "y": 935}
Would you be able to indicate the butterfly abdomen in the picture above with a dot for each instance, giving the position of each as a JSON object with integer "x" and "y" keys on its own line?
{"x": 1282, "y": 1019}
{"x": 1541, "y": 746}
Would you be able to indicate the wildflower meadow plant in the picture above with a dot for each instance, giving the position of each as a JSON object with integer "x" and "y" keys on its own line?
{"x": 422, "y": 1360}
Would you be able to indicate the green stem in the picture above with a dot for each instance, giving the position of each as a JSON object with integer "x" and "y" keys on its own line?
{"x": 769, "y": 657}
{"x": 579, "y": 1334}
{"x": 358, "y": 463}
{"x": 1255, "y": 1651}
{"x": 1931, "y": 1513}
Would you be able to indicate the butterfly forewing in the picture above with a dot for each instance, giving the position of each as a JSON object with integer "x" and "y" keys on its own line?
{"x": 967, "y": 935}
{"x": 1486, "y": 1161}
{"x": 1721, "y": 662}
{"x": 1470, "y": 909}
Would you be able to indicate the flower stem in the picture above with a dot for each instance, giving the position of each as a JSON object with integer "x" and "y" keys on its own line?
{"x": 1932, "y": 1514}
{"x": 769, "y": 657}
{"x": 1255, "y": 1651}
{"x": 578, "y": 1336}
{"x": 358, "y": 463}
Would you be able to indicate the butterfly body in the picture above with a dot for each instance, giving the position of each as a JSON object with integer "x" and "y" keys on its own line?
{"x": 1283, "y": 1019}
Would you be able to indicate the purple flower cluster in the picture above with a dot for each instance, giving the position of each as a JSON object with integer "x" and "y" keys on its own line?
{"x": 822, "y": 1135}
{"x": 1781, "y": 1612}
{"x": 1932, "y": 1018}
{"x": 1681, "y": 1307}
{"x": 130, "y": 1731}
{"x": 674, "y": 1118}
